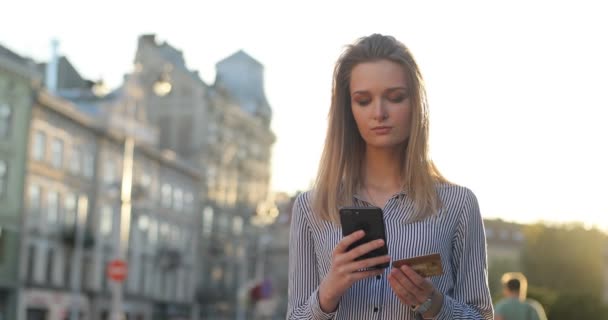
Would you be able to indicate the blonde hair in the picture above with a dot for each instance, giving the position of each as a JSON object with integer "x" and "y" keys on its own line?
{"x": 341, "y": 163}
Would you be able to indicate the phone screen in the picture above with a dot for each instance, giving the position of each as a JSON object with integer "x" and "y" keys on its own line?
{"x": 370, "y": 220}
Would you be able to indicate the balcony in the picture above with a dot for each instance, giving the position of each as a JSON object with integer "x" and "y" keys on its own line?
{"x": 68, "y": 235}
{"x": 168, "y": 258}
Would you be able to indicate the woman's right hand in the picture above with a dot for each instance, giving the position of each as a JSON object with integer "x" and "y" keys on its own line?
{"x": 343, "y": 272}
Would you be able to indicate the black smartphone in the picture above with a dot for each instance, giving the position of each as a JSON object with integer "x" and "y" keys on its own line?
{"x": 370, "y": 220}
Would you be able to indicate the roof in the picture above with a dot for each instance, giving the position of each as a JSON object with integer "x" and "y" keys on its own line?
{"x": 240, "y": 56}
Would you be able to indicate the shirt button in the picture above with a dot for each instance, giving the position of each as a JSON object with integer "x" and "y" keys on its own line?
{"x": 375, "y": 309}
{"x": 378, "y": 277}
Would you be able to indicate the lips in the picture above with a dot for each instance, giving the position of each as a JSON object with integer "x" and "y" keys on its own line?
{"x": 381, "y": 130}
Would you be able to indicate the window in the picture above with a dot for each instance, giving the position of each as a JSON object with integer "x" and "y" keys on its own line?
{"x": 164, "y": 232}
{"x": 107, "y": 217}
{"x": 3, "y": 177}
{"x": 52, "y": 204}
{"x": 207, "y": 221}
{"x": 176, "y": 236}
{"x": 189, "y": 201}
{"x": 237, "y": 226}
{"x": 5, "y": 120}
{"x": 49, "y": 266}
{"x": 166, "y": 195}
{"x": 75, "y": 160}
{"x": 89, "y": 164}
{"x": 224, "y": 223}
{"x": 109, "y": 175}
{"x": 178, "y": 199}
{"x": 69, "y": 205}
{"x": 39, "y": 145}
{"x": 216, "y": 276}
{"x": 146, "y": 180}
{"x": 153, "y": 232}
{"x": 34, "y": 198}
{"x": 57, "y": 153}
{"x": 143, "y": 223}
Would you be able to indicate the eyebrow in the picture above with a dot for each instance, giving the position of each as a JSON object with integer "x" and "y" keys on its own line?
{"x": 389, "y": 89}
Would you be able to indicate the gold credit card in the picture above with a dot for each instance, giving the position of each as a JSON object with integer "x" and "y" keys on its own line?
{"x": 426, "y": 266}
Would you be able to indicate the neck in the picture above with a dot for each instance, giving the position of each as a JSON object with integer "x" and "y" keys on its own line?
{"x": 382, "y": 169}
{"x": 514, "y": 295}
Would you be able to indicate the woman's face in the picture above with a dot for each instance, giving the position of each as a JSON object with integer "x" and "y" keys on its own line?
{"x": 380, "y": 103}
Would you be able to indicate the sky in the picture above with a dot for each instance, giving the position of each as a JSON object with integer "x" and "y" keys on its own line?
{"x": 517, "y": 89}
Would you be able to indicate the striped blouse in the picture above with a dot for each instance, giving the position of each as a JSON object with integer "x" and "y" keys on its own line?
{"x": 456, "y": 233}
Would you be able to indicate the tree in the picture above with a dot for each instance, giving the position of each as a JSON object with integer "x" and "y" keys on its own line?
{"x": 565, "y": 269}
{"x": 565, "y": 259}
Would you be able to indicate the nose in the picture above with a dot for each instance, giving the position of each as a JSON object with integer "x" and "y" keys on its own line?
{"x": 379, "y": 110}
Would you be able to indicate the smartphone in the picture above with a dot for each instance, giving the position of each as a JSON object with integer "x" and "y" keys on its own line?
{"x": 370, "y": 220}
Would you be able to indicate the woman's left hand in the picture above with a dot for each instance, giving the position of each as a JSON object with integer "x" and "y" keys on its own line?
{"x": 412, "y": 289}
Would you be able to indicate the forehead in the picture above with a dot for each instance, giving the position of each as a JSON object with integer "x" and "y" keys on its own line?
{"x": 377, "y": 75}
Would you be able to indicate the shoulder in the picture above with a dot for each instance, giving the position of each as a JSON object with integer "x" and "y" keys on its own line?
{"x": 536, "y": 306}
{"x": 302, "y": 206}
{"x": 456, "y": 197}
{"x": 499, "y": 307}
{"x": 304, "y": 199}
{"x": 503, "y": 305}
{"x": 448, "y": 190}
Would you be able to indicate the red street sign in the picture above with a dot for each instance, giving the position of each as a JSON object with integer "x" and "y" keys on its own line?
{"x": 117, "y": 270}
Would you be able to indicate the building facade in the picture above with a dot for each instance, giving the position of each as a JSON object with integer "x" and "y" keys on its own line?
{"x": 18, "y": 80}
{"x": 224, "y": 130}
{"x": 62, "y": 164}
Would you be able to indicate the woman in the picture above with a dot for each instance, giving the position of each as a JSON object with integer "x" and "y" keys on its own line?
{"x": 376, "y": 154}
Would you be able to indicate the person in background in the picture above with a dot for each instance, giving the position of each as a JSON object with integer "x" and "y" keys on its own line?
{"x": 515, "y": 306}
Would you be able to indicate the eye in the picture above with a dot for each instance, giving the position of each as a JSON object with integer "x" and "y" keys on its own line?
{"x": 363, "y": 102}
{"x": 397, "y": 97}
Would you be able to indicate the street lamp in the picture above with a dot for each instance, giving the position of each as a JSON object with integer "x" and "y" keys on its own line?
{"x": 79, "y": 239}
{"x": 162, "y": 86}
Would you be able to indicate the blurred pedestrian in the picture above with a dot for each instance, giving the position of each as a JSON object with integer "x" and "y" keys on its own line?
{"x": 514, "y": 305}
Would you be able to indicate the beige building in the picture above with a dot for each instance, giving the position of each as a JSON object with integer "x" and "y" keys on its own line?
{"x": 74, "y": 172}
{"x": 224, "y": 130}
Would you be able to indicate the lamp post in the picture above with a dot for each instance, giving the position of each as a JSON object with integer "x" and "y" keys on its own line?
{"x": 80, "y": 226}
{"x": 161, "y": 87}
{"x": 266, "y": 213}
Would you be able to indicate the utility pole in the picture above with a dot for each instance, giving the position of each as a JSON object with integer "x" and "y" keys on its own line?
{"x": 121, "y": 240}
{"x": 76, "y": 263}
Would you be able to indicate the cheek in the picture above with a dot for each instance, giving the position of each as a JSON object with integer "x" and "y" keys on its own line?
{"x": 358, "y": 118}
{"x": 405, "y": 118}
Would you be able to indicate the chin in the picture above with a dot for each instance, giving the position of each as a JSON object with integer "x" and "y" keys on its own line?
{"x": 385, "y": 145}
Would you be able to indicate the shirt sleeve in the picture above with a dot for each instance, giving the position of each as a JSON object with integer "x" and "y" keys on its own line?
{"x": 303, "y": 287}
{"x": 471, "y": 296}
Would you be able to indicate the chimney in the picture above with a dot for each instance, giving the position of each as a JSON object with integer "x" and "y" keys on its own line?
{"x": 52, "y": 68}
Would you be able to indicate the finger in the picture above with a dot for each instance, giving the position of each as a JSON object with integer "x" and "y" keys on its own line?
{"x": 401, "y": 292}
{"x": 367, "y": 263}
{"x": 347, "y": 241}
{"x": 356, "y": 276}
{"x": 364, "y": 248}
{"x": 416, "y": 279}
{"x": 418, "y": 295}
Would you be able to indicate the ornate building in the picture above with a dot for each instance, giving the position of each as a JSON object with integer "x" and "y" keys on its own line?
{"x": 224, "y": 130}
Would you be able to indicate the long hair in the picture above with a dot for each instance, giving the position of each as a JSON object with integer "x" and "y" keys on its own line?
{"x": 339, "y": 175}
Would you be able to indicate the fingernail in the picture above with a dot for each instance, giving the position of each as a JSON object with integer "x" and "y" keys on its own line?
{"x": 380, "y": 241}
